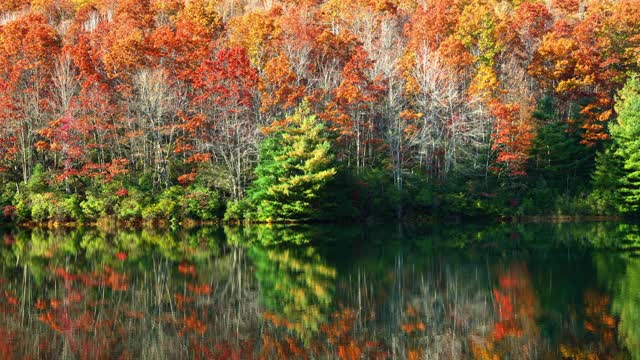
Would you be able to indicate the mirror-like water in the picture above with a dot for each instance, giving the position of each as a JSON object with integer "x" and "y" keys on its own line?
{"x": 511, "y": 292}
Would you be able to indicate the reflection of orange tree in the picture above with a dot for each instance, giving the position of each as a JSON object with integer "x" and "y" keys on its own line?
{"x": 8, "y": 307}
{"x": 335, "y": 339}
{"x": 72, "y": 315}
{"x": 7, "y": 339}
{"x": 515, "y": 333}
{"x": 409, "y": 314}
{"x": 94, "y": 312}
{"x": 213, "y": 312}
{"x": 413, "y": 326}
{"x": 115, "y": 288}
{"x": 435, "y": 313}
{"x": 191, "y": 323}
{"x": 599, "y": 323}
{"x": 340, "y": 334}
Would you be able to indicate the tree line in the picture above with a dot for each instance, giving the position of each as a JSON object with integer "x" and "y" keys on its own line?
{"x": 176, "y": 108}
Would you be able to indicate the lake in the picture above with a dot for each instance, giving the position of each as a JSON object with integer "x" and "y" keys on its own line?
{"x": 528, "y": 291}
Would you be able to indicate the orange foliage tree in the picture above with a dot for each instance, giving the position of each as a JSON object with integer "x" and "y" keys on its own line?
{"x": 27, "y": 50}
{"x": 513, "y": 133}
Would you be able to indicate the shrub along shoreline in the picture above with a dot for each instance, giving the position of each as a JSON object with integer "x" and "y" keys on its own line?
{"x": 367, "y": 198}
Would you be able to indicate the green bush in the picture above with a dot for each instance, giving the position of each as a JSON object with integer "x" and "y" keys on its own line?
{"x": 237, "y": 211}
{"x": 378, "y": 195}
{"x": 145, "y": 182}
{"x": 68, "y": 209}
{"x": 423, "y": 198}
{"x": 93, "y": 207}
{"x": 568, "y": 205}
{"x": 6, "y": 194}
{"x": 602, "y": 202}
{"x": 167, "y": 206}
{"x": 154, "y": 212}
{"x": 465, "y": 204}
{"x": 42, "y": 206}
{"x": 130, "y": 203}
{"x": 458, "y": 203}
{"x": 37, "y": 183}
{"x": 23, "y": 207}
{"x": 129, "y": 209}
{"x": 202, "y": 203}
{"x": 50, "y": 206}
{"x": 538, "y": 200}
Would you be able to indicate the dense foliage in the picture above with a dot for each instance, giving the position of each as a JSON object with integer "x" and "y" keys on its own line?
{"x": 153, "y": 109}
{"x": 619, "y": 167}
{"x": 294, "y": 169}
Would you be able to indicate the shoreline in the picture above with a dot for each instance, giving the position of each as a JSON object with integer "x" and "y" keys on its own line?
{"x": 190, "y": 223}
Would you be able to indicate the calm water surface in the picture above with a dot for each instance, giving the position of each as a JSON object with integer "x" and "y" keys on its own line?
{"x": 567, "y": 291}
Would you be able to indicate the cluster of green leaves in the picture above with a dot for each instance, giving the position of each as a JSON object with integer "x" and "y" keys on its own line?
{"x": 617, "y": 175}
{"x": 41, "y": 202}
{"x": 295, "y": 170}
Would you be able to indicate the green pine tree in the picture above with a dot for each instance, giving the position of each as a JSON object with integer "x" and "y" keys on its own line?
{"x": 626, "y": 137}
{"x": 605, "y": 197}
{"x": 557, "y": 157}
{"x": 295, "y": 165}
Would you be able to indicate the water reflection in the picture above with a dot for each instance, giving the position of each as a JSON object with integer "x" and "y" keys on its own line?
{"x": 497, "y": 292}
{"x": 620, "y": 275}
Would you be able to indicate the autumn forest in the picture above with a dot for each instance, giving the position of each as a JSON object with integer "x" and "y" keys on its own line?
{"x": 303, "y": 110}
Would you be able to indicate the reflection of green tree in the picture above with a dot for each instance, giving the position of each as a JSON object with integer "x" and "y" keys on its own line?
{"x": 273, "y": 234}
{"x": 84, "y": 249}
{"x": 296, "y": 283}
{"x": 629, "y": 237}
{"x": 621, "y": 274}
{"x": 626, "y": 304}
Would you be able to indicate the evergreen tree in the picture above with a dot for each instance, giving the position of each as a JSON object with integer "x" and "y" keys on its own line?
{"x": 626, "y": 137}
{"x": 556, "y": 153}
{"x": 559, "y": 158}
{"x": 295, "y": 165}
{"x": 605, "y": 198}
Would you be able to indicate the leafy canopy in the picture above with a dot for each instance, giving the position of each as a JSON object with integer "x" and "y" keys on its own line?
{"x": 626, "y": 136}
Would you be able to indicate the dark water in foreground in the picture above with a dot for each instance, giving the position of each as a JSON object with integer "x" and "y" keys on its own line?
{"x": 323, "y": 292}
